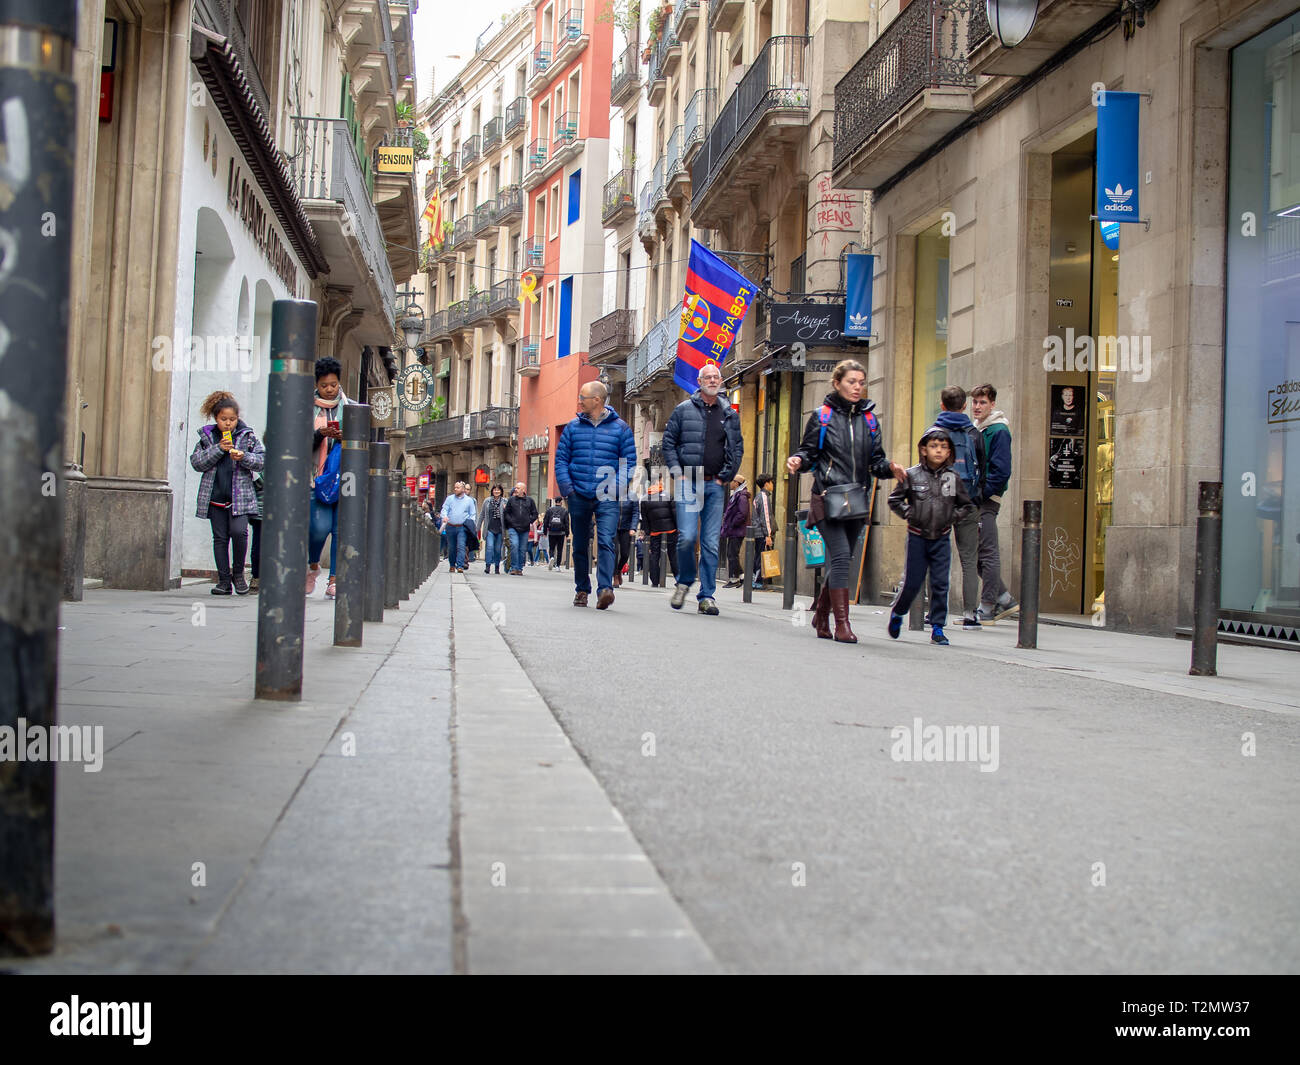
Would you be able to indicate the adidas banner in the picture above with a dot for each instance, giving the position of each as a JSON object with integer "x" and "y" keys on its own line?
{"x": 1117, "y": 157}
{"x": 857, "y": 302}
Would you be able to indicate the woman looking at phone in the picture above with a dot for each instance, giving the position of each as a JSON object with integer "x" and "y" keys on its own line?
{"x": 328, "y": 435}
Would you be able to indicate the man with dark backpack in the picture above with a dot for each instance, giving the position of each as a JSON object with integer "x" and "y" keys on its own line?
{"x": 556, "y": 523}
{"x": 971, "y": 464}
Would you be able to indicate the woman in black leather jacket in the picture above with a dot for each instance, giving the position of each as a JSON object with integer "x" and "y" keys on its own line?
{"x": 841, "y": 445}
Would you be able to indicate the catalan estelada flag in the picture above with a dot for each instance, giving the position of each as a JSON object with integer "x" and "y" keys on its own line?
{"x": 433, "y": 216}
{"x": 717, "y": 299}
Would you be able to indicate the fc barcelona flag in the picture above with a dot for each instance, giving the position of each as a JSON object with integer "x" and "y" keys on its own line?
{"x": 717, "y": 299}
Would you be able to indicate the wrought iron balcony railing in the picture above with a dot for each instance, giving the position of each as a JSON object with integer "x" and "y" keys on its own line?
{"x": 566, "y": 131}
{"x": 685, "y": 14}
{"x": 479, "y": 427}
{"x": 613, "y": 334}
{"x": 694, "y": 125}
{"x": 492, "y": 133}
{"x": 534, "y": 253}
{"x": 468, "y": 152}
{"x": 505, "y": 296}
{"x": 656, "y": 353}
{"x": 530, "y": 356}
{"x": 541, "y": 59}
{"x": 659, "y": 180}
{"x": 435, "y": 326}
{"x": 625, "y": 76}
{"x": 456, "y": 315}
{"x": 925, "y": 47}
{"x": 450, "y": 170}
{"x": 571, "y": 24}
{"x": 510, "y": 205}
{"x": 477, "y": 307}
{"x": 659, "y": 56}
{"x": 463, "y": 231}
{"x": 618, "y": 199}
{"x": 516, "y": 115}
{"x": 673, "y": 154}
{"x": 222, "y": 16}
{"x": 538, "y": 153}
{"x": 776, "y": 79}
{"x": 484, "y": 216}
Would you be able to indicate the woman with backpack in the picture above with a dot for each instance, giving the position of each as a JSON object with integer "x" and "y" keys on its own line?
{"x": 842, "y": 447}
{"x": 492, "y": 524}
{"x": 228, "y": 454}
{"x": 327, "y": 440}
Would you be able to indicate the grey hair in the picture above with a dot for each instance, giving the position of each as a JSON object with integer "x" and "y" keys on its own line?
{"x": 602, "y": 392}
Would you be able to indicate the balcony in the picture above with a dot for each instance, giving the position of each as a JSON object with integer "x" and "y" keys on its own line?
{"x": 645, "y": 219}
{"x": 619, "y": 204}
{"x": 694, "y": 125}
{"x": 659, "y": 201}
{"x": 612, "y": 336}
{"x": 222, "y": 16}
{"x": 395, "y": 198}
{"x": 482, "y": 427}
{"x": 492, "y": 133}
{"x": 337, "y": 202}
{"x": 765, "y": 114}
{"x": 430, "y": 183}
{"x": 626, "y": 77}
{"x": 909, "y": 89}
{"x": 686, "y": 18}
{"x": 1057, "y": 24}
{"x": 566, "y": 136}
{"x": 540, "y": 65}
{"x": 723, "y": 14}
{"x": 516, "y": 117}
{"x": 451, "y": 170}
{"x": 435, "y": 327}
{"x": 534, "y": 253}
{"x": 469, "y": 153}
{"x": 654, "y": 357}
{"x": 662, "y": 51}
{"x": 572, "y": 36}
{"x": 676, "y": 175}
{"x": 485, "y": 215}
{"x": 477, "y": 307}
{"x": 456, "y": 315}
{"x": 535, "y": 158}
{"x": 446, "y": 250}
{"x": 464, "y": 230}
{"x": 510, "y": 205}
{"x": 530, "y": 356}
{"x": 504, "y": 298}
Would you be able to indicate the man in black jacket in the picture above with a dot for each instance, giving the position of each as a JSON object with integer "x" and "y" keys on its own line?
{"x": 556, "y": 524}
{"x": 702, "y": 443}
{"x": 521, "y": 512}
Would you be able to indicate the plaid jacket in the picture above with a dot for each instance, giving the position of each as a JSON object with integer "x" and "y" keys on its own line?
{"x": 207, "y": 453}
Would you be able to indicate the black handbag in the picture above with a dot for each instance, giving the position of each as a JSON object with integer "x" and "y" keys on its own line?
{"x": 844, "y": 502}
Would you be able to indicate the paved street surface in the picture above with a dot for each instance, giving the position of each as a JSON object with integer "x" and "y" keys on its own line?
{"x": 499, "y": 782}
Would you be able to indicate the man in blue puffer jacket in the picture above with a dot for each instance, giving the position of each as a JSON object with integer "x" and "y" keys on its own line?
{"x": 594, "y": 461}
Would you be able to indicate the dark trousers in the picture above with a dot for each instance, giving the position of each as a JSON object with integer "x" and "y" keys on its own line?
{"x": 624, "y": 549}
{"x": 255, "y": 552}
{"x": 934, "y": 557}
{"x": 557, "y": 549}
{"x": 228, "y": 531}
{"x": 656, "y": 546}
{"x": 733, "y": 557}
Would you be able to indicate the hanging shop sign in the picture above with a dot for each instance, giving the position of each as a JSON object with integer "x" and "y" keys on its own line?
{"x": 1117, "y": 157}
{"x": 810, "y": 324}
{"x": 423, "y": 482}
{"x": 417, "y": 384}
{"x": 858, "y": 273}
{"x": 410, "y": 485}
{"x": 395, "y": 159}
{"x": 382, "y": 402}
{"x": 482, "y": 475}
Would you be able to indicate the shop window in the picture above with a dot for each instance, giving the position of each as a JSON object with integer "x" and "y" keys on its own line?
{"x": 929, "y": 328}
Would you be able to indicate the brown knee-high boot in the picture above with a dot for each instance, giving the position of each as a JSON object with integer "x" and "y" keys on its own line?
{"x": 840, "y": 605}
{"x": 822, "y": 614}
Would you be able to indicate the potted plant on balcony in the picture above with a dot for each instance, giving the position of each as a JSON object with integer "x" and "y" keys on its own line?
{"x": 658, "y": 22}
{"x": 421, "y": 144}
{"x": 405, "y": 114}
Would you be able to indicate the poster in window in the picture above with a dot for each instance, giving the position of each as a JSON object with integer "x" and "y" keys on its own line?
{"x": 1068, "y": 410}
{"x": 1065, "y": 462}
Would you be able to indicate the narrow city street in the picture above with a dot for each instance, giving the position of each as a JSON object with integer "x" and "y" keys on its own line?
{"x": 499, "y": 782}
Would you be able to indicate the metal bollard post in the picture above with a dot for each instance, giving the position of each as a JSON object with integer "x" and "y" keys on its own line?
{"x": 281, "y": 607}
{"x": 413, "y": 546}
{"x": 40, "y": 130}
{"x": 1209, "y": 561}
{"x": 393, "y": 541}
{"x": 916, "y": 615}
{"x": 749, "y": 568}
{"x": 791, "y": 561}
{"x": 376, "y": 527}
{"x": 1031, "y": 550}
{"x": 404, "y": 550}
{"x": 354, "y": 499}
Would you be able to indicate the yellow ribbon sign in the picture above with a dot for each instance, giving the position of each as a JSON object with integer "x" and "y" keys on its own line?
{"x": 528, "y": 285}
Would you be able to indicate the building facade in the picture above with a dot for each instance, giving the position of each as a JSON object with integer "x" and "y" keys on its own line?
{"x": 981, "y": 166}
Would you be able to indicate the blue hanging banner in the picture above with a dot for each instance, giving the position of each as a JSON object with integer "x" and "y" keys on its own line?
{"x": 1117, "y": 157}
{"x": 857, "y": 302}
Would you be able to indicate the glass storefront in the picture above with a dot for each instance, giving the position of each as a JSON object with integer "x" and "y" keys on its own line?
{"x": 1261, "y": 430}
{"x": 930, "y": 330}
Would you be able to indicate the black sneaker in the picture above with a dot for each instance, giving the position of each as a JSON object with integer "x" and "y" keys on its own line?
{"x": 241, "y": 585}
{"x": 221, "y": 588}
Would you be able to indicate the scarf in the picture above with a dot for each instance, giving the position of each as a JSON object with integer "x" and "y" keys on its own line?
{"x": 324, "y": 408}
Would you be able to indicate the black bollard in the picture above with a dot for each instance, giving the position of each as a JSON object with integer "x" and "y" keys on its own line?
{"x": 1209, "y": 561}
{"x": 393, "y": 541}
{"x": 791, "y": 561}
{"x": 281, "y": 607}
{"x": 37, "y": 223}
{"x": 404, "y": 549}
{"x": 916, "y": 614}
{"x": 750, "y": 558}
{"x": 1031, "y": 551}
{"x": 354, "y": 500}
{"x": 376, "y": 527}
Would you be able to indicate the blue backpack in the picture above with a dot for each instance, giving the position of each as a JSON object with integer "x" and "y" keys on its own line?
{"x": 326, "y": 485}
{"x": 968, "y": 460}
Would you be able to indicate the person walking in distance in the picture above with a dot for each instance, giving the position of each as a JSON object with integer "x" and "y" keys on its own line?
{"x": 629, "y": 516}
{"x": 971, "y": 465}
{"x": 763, "y": 526}
{"x": 327, "y": 437}
{"x": 735, "y": 520}
{"x": 457, "y": 509}
{"x": 556, "y": 522}
{"x": 492, "y": 525}
{"x": 521, "y": 512}
{"x": 842, "y": 446}
{"x": 228, "y": 453}
{"x": 995, "y": 601}
{"x": 659, "y": 523}
{"x": 596, "y": 451}
{"x": 702, "y": 442}
{"x": 930, "y": 497}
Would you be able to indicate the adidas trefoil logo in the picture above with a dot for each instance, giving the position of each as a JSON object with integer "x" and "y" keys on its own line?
{"x": 859, "y": 320}
{"x": 1119, "y": 194}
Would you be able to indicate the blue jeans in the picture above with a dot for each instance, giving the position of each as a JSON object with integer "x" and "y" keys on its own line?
{"x": 324, "y": 522}
{"x": 492, "y": 543}
{"x": 702, "y": 523}
{"x": 581, "y": 513}
{"x": 518, "y": 548}
{"x": 455, "y": 545}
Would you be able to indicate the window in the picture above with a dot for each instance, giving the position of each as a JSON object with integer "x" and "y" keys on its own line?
{"x": 575, "y": 195}
{"x": 563, "y": 345}
{"x": 539, "y": 216}
{"x": 548, "y": 314}
{"x": 554, "y": 228}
